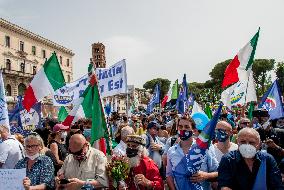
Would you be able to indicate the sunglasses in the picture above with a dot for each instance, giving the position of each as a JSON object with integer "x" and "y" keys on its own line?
{"x": 78, "y": 153}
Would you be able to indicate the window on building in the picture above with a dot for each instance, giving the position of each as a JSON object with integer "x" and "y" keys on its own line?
{"x": 21, "y": 89}
{"x": 33, "y": 50}
{"x": 22, "y": 69}
{"x": 60, "y": 60}
{"x": 7, "y": 41}
{"x": 98, "y": 64}
{"x": 8, "y": 64}
{"x": 118, "y": 108}
{"x": 8, "y": 90}
{"x": 34, "y": 70}
{"x": 98, "y": 56}
{"x": 97, "y": 50}
{"x": 68, "y": 78}
{"x": 118, "y": 101}
{"x": 43, "y": 54}
{"x": 67, "y": 62}
{"x": 22, "y": 47}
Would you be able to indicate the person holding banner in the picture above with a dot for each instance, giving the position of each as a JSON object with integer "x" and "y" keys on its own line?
{"x": 39, "y": 168}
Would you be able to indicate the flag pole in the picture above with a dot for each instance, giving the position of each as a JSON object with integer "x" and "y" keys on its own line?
{"x": 244, "y": 106}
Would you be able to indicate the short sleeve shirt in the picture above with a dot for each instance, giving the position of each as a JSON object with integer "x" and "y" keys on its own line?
{"x": 42, "y": 171}
{"x": 11, "y": 151}
{"x": 93, "y": 168}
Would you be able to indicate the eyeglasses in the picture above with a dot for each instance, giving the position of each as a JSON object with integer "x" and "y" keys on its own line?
{"x": 31, "y": 146}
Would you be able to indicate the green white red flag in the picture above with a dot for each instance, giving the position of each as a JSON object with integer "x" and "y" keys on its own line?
{"x": 240, "y": 66}
{"x": 47, "y": 80}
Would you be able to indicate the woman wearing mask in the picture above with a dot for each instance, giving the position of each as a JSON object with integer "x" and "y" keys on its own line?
{"x": 40, "y": 170}
{"x": 56, "y": 145}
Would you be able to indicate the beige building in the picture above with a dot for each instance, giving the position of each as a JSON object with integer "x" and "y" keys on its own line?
{"x": 22, "y": 54}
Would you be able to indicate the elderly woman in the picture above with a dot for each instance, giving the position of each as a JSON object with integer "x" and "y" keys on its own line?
{"x": 39, "y": 168}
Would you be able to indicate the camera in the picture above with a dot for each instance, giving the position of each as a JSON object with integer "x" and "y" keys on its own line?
{"x": 260, "y": 113}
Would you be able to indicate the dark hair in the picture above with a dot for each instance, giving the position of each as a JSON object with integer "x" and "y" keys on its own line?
{"x": 188, "y": 118}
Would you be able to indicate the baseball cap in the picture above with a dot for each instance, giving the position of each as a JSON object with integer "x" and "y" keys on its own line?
{"x": 59, "y": 127}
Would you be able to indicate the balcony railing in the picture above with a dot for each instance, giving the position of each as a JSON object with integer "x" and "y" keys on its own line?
{"x": 17, "y": 73}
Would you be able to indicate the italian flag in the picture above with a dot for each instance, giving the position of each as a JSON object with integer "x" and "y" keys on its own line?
{"x": 241, "y": 64}
{"x": 172, "y": 94}
{"x": 48, "y": 79}
{"x": 90, "y": 106}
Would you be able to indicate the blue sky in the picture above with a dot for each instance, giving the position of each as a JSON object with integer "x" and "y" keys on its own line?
{"x": 158, "y": 38}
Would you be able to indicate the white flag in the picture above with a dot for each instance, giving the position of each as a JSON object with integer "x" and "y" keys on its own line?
{"x": 240, "y": 93}
{"x": 196, "y": 108}
{"x": 4, "y": 118}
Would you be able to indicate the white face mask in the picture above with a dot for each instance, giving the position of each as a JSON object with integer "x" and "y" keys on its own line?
{"x": 247, "y": 150}
{"x": 64, "y": 135}
{"x": 33, "y": 156}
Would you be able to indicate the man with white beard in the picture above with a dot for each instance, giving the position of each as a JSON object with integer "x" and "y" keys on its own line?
{"x": 144, "y": 173}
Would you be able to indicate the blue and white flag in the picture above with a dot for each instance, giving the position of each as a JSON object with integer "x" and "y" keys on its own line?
{"x": 272, "y": 102}
{"x": 25, "y": 122}
{"x": 4, "y": 118}
{"x": 182, "y": 102}
{"x": 154, "y": 100}
{"x": 191, "y": 99}
{"x": 112, "y": 81}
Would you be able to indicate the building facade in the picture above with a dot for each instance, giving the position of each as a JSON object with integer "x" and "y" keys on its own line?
{"x": 23, "y": 53}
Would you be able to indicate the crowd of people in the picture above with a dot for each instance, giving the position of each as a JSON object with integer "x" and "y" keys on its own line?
{"x": 156, "y": 146}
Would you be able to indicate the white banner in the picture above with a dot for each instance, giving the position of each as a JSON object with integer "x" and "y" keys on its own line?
{"x": 112, "y": 81}
{"x": 12, "y": 179}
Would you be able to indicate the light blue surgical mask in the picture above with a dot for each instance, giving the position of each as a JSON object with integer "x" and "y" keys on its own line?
{"x": 87, "y": 133}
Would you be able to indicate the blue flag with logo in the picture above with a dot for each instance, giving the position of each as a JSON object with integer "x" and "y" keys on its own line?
{"x": 24, "y": 122}
{"x": 4, "y": 119}
{"x": 191, "y": 99}
{"x": 154, "y": 100}
{"x": 181, "y": 104}
{"x": 272, "y": 102}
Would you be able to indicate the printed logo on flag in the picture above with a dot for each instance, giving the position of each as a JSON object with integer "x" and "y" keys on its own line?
{"x": 236, "y": 97}
{"x": 270, "y": 103}
{"x": 2, "y": 109}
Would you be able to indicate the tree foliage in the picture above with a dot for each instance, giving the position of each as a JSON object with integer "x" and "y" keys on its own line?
{"x": 164, "y": 83}
{"x": 280, "y": 75}
{"x": 261, "y": 75}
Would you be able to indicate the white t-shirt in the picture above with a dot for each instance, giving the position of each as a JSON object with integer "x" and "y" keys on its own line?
{"x": 218, "y": 152}
{"x": 11, "y": 151}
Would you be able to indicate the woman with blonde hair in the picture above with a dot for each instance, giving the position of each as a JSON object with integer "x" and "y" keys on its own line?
{"x": 39, "y": 168}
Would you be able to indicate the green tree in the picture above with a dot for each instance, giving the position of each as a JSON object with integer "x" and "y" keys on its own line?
{"x": 217, "y": 73}
{"x": 280, "y": 75}
{"x": 262, "y": 78}
{"x": 164, "y": 83}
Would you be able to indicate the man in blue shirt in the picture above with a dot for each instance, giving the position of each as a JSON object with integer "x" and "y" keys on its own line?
{"x": 238, "y": 169}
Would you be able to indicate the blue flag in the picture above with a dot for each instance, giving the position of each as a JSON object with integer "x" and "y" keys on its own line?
{"x": 25, "y": 122}
{"x": 154, "y": 100}
{"x": 260, "y": 180}
{"x": 181, "y": 104}
{"x": 185, "y": 86}
{"x": 271, "y": 101}
{"x": 191, "y": 99}
{"x": 4, "y": 119}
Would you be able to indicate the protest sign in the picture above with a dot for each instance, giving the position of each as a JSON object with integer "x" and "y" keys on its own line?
{"x": 112, "y": 81}
{"x": 12, "y": 179}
